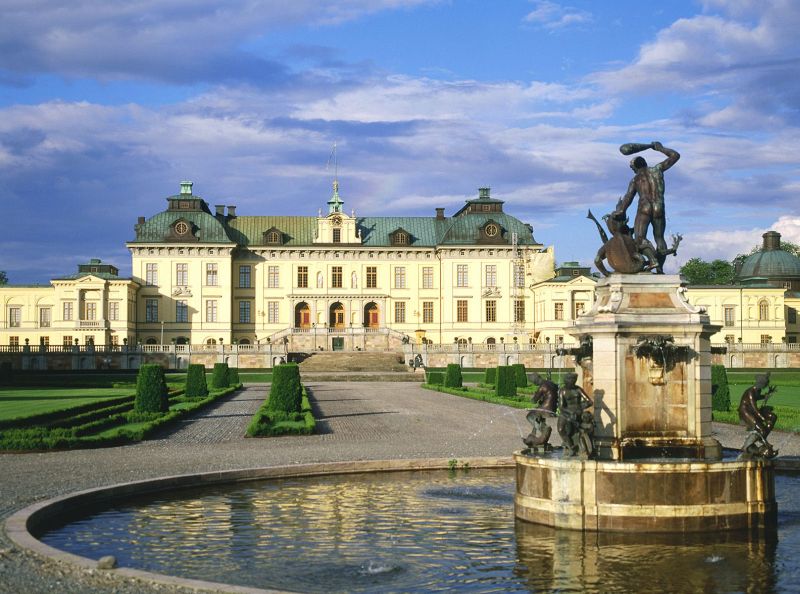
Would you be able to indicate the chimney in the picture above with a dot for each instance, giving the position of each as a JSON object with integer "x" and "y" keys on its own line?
{"x": 140, "y": 221}
{"x": 772, "y": 241}
{"x": 232, "y": 212}
{"x": 186, "y": 188}
{"x": 483, "y": 193}
{"x": 439, "y": 214}
{"x": 220, "y": 210}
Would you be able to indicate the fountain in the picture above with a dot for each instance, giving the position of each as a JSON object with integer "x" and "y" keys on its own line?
{"x": 656, "y": 465}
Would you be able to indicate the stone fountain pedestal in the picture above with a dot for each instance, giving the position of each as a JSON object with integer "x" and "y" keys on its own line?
{"x": 658, "y": 468}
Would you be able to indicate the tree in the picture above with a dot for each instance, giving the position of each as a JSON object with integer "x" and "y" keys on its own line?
{"x": 3, "y": 278}
{"x": 700, "y": 272}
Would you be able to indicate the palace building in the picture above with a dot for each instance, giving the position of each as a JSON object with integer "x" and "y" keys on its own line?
{"x": 209, "y": 276}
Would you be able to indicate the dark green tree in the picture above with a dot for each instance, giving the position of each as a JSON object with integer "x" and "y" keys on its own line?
{"x": 720, "y": 393}
{"x": 490, "y": 376}
{"x": 700, "y": 272}
{"x": 196, "y": 386}
{"x": 506, "y": 382}
{"x": 219, "y": 377}
{"x": 286, "y": 392}
{"x": 3, "y": 278}
{"x": 520, "y": 376}
{"x": 151, "y": 389}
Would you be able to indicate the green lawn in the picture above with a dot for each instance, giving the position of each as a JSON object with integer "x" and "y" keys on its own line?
{"x": 783, "y": 396}
{"x": 24, "y": 402}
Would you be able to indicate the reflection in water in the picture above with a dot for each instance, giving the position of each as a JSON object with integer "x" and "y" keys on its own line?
{"x": 418, "y": 532}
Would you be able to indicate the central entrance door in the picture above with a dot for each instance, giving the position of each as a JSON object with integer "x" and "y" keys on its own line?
{"x": 337, "y": 315}
{"x": 337, "y": 343}
{"x": 371, "y": 315}
{"x": 302, "y": 315}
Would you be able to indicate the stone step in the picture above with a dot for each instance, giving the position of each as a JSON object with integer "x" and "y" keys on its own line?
{"x": 355, "y": 376}
{"x": 353, "y": 361}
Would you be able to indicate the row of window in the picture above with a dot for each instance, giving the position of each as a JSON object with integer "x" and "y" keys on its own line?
{"x": 13, "y": 341}
{"x": 89, "y": 312}
{"x": 245, "y": 311}
{"x": 336, "y": 279}
{"x": 729, "y": 314}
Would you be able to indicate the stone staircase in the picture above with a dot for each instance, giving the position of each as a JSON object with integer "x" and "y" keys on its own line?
{"x": 357, "y": 366}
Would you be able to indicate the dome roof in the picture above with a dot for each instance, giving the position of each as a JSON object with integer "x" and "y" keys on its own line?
{"x": 771, "y": 261}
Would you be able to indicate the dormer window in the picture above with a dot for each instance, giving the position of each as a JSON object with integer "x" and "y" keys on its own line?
{"x": 400, "y": 237}
{"x": 491, "y": 229}
{"x": 181, "y": 231}
{"x": 273, "y": 237}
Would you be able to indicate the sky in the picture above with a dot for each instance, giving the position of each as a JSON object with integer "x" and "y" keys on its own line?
{"x": 105, "y": 107}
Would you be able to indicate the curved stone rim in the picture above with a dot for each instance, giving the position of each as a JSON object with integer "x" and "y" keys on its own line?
{"x": 20, "y": 526}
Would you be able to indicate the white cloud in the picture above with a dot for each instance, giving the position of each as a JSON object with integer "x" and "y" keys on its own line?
{"x": 551, "y": 15}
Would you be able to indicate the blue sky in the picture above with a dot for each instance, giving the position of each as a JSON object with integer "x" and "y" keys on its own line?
{"x": 106, "y": 106}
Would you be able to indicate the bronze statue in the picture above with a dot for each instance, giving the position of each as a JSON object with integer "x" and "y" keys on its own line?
{"x": 575, "y": 423}
{"x": 621, "y": 251}
{"x": 648, "y": 183}
{"x": 759, "y": 420}
{"x": 545, "y": 400}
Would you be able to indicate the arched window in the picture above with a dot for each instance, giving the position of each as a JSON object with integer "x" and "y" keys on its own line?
{"x": 462, "y": 342}
{"x": 211, "y": 341}
{"x": 151, "y": 341}
{"x": 244, "y": 341}
{"x": 763, "y": 310}
{"x": 273, "y": 237}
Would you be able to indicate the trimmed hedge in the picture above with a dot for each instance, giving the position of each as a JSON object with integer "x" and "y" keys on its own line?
{"x": 266, "y": 422}
{"x": 720, "y": 393}
{"x": 436, "y": 378}
{"x": 484, "y": 395}
{"x": 233, "y": 376}
{"x": 151, "y": 389}
{"x": 196, "y": 386}
{"x": 219, "y": 377}
{"x": 520, "y": 376}
{"x": 285, "y": 393}
{"x": 452, "y": 376}
{"x": 506, "y": 386}
{"x": 490, "y": 377}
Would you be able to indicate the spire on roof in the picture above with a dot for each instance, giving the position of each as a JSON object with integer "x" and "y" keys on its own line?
{"x": 335, "y": 203}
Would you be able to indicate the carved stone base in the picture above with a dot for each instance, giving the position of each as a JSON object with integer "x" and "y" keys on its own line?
{"x": 647, "y": 496}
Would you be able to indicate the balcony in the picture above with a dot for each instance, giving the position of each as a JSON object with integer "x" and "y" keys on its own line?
{"x": 91, "y": 324}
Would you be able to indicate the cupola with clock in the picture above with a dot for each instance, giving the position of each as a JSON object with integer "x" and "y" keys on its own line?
{"x": 337, "y": 227}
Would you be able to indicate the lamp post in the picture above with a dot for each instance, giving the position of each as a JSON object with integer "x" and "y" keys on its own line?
{"x": 162, "y": 333}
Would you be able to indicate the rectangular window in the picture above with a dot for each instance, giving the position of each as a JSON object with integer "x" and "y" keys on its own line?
{"x": 182, "y": 311}
{"x": 181, "y": 275}
{"x": 211, "y": 274}
{"x": 399, "y": 277}
{"x": 114, "y": 340}
{"x": 490, "y": 278}
{"x": 45, "y": 340}
{"x": 559, "y": 311}
{"x": 113, "y": 310}
{"x": 399, "y": 312}
{"x": 462, "y": 275}
{"x": 13, "y": 343}
{"x": 14, "y": 317}
{"x": 337, "y": 236}
{"x": 273, "y": 277}
{"x": 791, "y": 315}
{"x": 66, "y": 341}
{"x": 519, "y": 310}
{"x": 44, "y": 317}
{"x": 730, "y": 338}
{"x": 372, "y": 277}
{"x": 151, "y": 274}
{"x": 578, "y": 309}
{"x": 68, "y": 310}
{"x": 272, "y": 312}
{"x": 461, "y": 310}
{"x": 519, "y": 275}
{"x": 427, "y": 277}
{"x": 729, "y": 315}
{"x": 151, "y": 310}
{"x": 244, "y": 276}
{"x": 90, "y": 311}
{"x": 491, "y": 310}
{"x": 302, "y": 277}
{"x": 244, "y": 312}
{"x": 427, "y": 312}
{"x": 336, "y": 277}
{"x": 766, "y": 339}
{"x": 211, "y": 310}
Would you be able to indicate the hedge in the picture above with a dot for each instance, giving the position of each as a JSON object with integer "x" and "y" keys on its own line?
{"x": 452, "y": 376}
{"x": 219, "y": 377}
{"x": 506, "y": 385}
{"x": 436, "y": 378}
{"x": 151, "y": 389}
{"x": 233, "y": 376}
{"x": 520, "y": 376}
{"x": 196, "y": 386}
{"x": 485, "y": 395}
{"x": 490, "y": 377}
{"x": 267, "y": 422}
{"x": 720, "y": 393}
{"x": 285, "y": 393}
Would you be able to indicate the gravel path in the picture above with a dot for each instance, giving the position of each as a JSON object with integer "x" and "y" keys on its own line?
{"x": 357, "y": 421}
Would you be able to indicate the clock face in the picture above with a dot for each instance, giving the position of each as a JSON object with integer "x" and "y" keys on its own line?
{"x": 181, "y": 228}
{"x": 491, "y": 230}
{"x": 336, "y": 220}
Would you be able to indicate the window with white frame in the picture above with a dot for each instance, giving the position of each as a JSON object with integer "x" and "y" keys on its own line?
{"x": 427, "y": 277}
{"x": 558, "y": 312}
{"x": 69, "y": 310}
{"x": 336, "y": 277}
{"x": 461, "y": 310}
{"x": 211, "y": 310}
{"x": 244, "y": 312}
{"x": 399, "y": 277}
{"x": 399, "y": 312}
{"x": 14, "y": 317}
{"x": 181, "y": 274}
{"x": 462, "y": 275}
{"x": 212, "y": 273}
{"x": 151, "y": 274}
{"x": 427, "y": 312}
{"x": 302, "y": 277}
{"x": 272, "y": 312}
{"x": 182, "y": 311}
{"x": 519, "y": 310}
{"x": 519, "y": 275}
{"x": 729, "y": 315}
{"x": 245, "y": 276}
{"x": 90, "y": 310}
{"x": 763, "y": 310}
{"x": 372, "y": 277}
{"x": 490, "y": 276}
{"x": 491, "y": 310}
{"x": 113, "y": 311}
{"x": 273, "y": 277}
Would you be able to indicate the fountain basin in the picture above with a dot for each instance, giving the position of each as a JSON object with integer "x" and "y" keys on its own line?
{"x": 645, "y": 495}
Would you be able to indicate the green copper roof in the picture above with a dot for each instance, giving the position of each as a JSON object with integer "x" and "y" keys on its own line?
{"x": 770, "y": 264}
{"x": 207, "y": 227}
